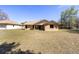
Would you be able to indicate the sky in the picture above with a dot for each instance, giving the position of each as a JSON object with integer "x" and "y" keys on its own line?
{"x": 21, "y": 13}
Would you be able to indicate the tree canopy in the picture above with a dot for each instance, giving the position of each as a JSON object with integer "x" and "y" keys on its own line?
{"x": 3, "y": 15}
{"x": 69, "y": 17}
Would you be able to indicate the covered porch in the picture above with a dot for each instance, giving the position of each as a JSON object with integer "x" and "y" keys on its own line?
{"x": 35, "y": 27}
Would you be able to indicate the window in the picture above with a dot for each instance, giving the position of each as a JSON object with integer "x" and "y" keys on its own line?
{"x": 2, "y": 26}
{"x": 51, "y": 26}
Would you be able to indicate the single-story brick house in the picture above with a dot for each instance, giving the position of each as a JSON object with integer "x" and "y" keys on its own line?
{"x": 41, "y": 25}
{"x": 9, "y": 24}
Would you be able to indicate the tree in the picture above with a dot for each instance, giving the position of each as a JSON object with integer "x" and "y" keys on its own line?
{"x": 77, "y": 23}
{"x": 69, "y": 17}
{"x": 3, "y": 15}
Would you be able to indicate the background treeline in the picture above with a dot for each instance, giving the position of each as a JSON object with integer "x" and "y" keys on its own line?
{"x": 69, "y": 18}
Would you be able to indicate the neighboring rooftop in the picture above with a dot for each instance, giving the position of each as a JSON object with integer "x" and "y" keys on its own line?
{"x": 7, "y": 22}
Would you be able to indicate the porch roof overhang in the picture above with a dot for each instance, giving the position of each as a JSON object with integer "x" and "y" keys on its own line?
{"x": 48, "y": 23}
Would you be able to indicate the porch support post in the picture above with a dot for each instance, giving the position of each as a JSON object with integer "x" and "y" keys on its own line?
{"x": 34, "y": 27}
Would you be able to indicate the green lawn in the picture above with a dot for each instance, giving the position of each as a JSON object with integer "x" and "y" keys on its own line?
{"x": 43, "y": 41}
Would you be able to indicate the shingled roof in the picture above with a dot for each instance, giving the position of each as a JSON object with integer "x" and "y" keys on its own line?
{"x": 40, "y": 22}
{"x": 34, "y": 22}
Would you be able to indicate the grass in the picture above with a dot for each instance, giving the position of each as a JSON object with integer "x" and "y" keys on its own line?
{"x": 43, "y": 41}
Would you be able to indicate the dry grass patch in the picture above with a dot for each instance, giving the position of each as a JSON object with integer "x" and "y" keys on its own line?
{"x": 43, "y": 41}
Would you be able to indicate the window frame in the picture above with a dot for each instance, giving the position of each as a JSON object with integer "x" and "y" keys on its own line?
{"x": 51, "y": 26}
